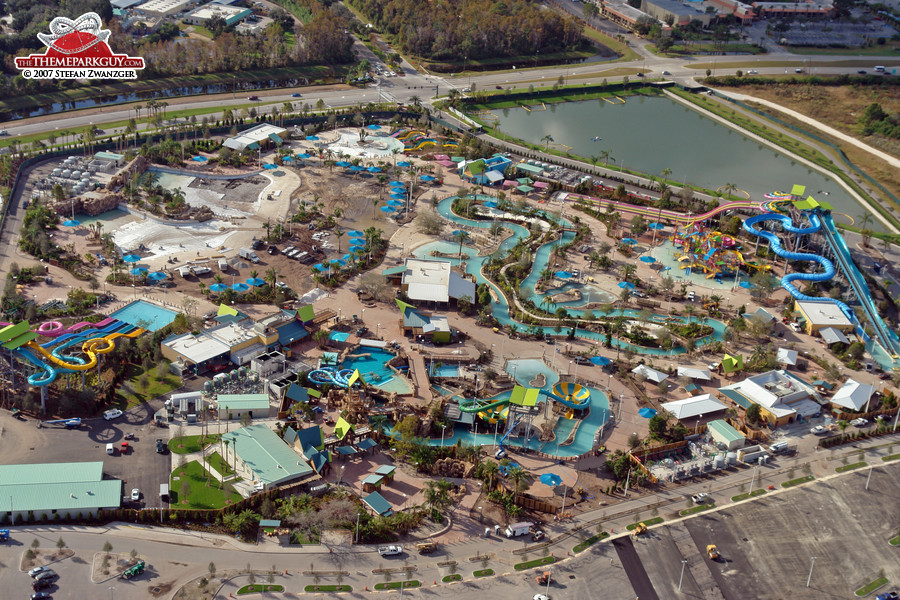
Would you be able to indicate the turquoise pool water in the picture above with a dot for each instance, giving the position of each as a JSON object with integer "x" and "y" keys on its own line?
{"x": 525, "y": 370}
{"x": 372, "y": 365}
{"x": 446, "y": 371}
{"x": 339, "y": 336}
{"x": 145, "y": 315}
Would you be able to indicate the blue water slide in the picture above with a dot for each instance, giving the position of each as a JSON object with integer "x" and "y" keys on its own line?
{"x": 508, "y": 431}
{"x": 886, "y": 335}
{"x": 330, "y": 375}
{"x": 47, "y": 373}
{"x": 787, "y": 282}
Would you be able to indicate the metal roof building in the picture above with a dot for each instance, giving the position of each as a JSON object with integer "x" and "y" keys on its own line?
{"x": 264, "y": 457}
{"x": 57, "y": 488}
{"x": 435, "y": 281}
{"x": 234, "y": 406}
{"x": 251, "y": 139}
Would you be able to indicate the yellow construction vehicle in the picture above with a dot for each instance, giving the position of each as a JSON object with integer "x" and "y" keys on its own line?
{"x": 639, "y": 529}
{"x": 712, "y": 551}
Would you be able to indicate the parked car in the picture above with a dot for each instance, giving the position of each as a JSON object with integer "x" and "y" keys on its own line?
{"x": 41, "y": 596}
{"x": 48, "y": 575}
{"x": 581, "y": 360}
{"x": 795, "y": 327}
{"x": 37, "y": 571}
{"x": 135, "y": 495}
{"x": 862, "y": 71}
{"x": 113, "y": 413}
{"x": 691, "y": 295}
{"x": 272, "y": 250}
{"x": 296, "y": 95}
{"x": 160, "y": 447}
{"x": 548, "y": 339}
{"x": 123, "y": 447}
{"x": 860, "y": 422}
{"x": 884, "y": 376}
{"x": 701, "y": 498}
{"x": 390, "y": 550}
{"x": 819, "y": 430}
{"x": 752, "y": 72}
{"x": 41, "y": 584}
{"x": 888, "y": 596}
{"x": 254, "y": 98}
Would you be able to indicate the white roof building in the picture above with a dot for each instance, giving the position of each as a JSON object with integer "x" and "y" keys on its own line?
{"x": 824, "y": 314}
{"x": 163, "y": 7}
{"x": 230, "y": 14}
{"x": 251, "y": 139}
{"x": 651, "y": 374}
{"x": 702, "y": 374}
{"x": 781, "y": 394}
{"x": 853, "y": 395}
{"x": 695, "y": 406}
{"x": 830, "y": 336}
{"x": 787, "y": 357}
{"x": 435, "y": 281}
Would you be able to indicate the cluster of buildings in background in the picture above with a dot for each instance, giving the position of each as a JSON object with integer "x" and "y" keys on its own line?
{"x": 192, "y": 12}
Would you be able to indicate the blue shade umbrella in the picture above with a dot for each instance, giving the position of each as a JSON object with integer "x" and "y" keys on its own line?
{"x": 397, "y": 184}
{"x": 647, "y": 413}
{"x": 288, "y": 159}
{"x": 138, "y": 271}
{"x": 338, "y": 261}
{"x": 388, "y": 209}
{"x": 600, "y": 360}
{"x": 199, "y": 159}
{"x": 657, "y": 226}
{"x": 647, "y": 259}
{"x": 218, "y": 287}
{"x": 131, "y": 258}
{"x": 240, "y": 287}
{"x": 356, "y": 248}
{"x": 629, "y": 241}
{"x": 747, "y": 285}
{"x": 342, "y": 164}
{"x": 357, "y": 168}
{"x": 72, "y": 223}
{"x": 398, "y": 196}
{"x": 491, "y": 204}
{"x": 626, "y": 285}
{"x": 270, "y": 166}
{"x": 304, "y": 156}
{"x": 312, "y": 138}
{"x": 255, "y": 281}
{"x": 403, "y": 163}
{"x": 373, "y": 127}
{"x": 355, "y": 233}
{"x": 373, "y": 169}
{"x": 319, "y": 267}
{"x": 157, "y": 276}
{"x": 551, "y": 479}
{"x": 395, "y": 203}
{"x": 458, "y": 232}
{"x": 564, "y": 275}
{"x": 427, "y": 178}
{"x": 347, "y": 257}
{"x": 355, "y": 241}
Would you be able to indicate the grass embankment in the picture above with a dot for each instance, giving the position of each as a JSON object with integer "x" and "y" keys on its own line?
{"x": 138, "y": 389}
{"x": 798, "y": 481}
{"x": 877, "y": 50}
{"x": 625, "y": 52}
{"x": 894, "y": 541}
{"x": 327, "y": 588}
{"x": 793, "y": 142}
{"x": 752, "y": 494}
{"x": 648, "y": 523}
{"x": 850, "y": 467}
{"x": 396, "y": 585}
{"x": 538, "y": 562}
{"x": 589, "y": 542}
{"x": 202, "y": 489}
{"x": 257, "y": 588}
{"x": 187, "y": 444}
{"x": 697, "y": 509}
{"x": 871, "y": 587}
{"x": 218, "y": 463}
{"x": 483, "y": 573}
{"x": 451, "y": 578}
{"x": 890, "y": 458}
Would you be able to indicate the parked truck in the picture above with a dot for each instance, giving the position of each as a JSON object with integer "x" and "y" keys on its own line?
{"x": 517, "y": 529}
{"x": 4, "y": 535}
{"x": 248, "y": 254}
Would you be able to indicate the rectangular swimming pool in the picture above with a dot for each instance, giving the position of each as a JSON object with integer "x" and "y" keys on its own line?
{"x": 339, "y": 336}
{"x": 145, "y": 315}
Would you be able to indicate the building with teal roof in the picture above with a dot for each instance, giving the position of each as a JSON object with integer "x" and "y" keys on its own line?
{"x": 263, "y": 457}
{"x": 49, "y": 489}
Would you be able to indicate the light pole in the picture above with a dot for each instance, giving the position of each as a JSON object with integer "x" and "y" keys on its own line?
{"x": 681, "y": 579}
{"x": 377, "y": 329}
{"x": 112, "y": 592}
{"x": 808, "y": 579}
{"x": 549, "y": 579}
{"x": 443, "y": 429}
{"x": 752, "y": 479}
{"x": 341, "y": 476}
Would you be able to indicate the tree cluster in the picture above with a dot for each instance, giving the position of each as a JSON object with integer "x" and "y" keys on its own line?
{"x": 472, "y": 29}
{"x": 876, "y": 121}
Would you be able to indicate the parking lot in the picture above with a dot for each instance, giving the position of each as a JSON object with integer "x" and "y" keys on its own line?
{"x": 767, "y": 546}
{"x": 22, "y": 442}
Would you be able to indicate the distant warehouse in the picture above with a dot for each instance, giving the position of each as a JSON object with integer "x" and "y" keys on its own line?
{"x": 231, "y": 14}
{"x": 51, "y": 489}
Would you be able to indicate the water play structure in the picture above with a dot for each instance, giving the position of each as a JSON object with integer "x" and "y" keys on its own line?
{"x": 711, "y": 252}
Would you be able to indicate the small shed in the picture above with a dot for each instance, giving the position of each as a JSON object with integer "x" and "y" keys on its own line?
{"x": 378, "y": 504}
{"x": 386, "y": 471}
{"x": 366, "y": 444}
{"x": 723, "y": 433}
{"x": 372, "y": 482}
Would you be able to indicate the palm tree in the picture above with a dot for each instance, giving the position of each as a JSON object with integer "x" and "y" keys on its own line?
{"x": 489, "y": 470}
{"x": 729, "y": 189}
{"x": 627, "y": 271}
{"x": 271, "y": 276}
{"x": 865, "y": 220}
{"x": 547, "y": 139}
{"x": 604, "y": 156}
{"x": 375, "y": 202}
{"x": 519, "y": 477}
{"x": 461, "y": 236}
{"x": 666, "y": 172}
{"x": 339, "y": 234}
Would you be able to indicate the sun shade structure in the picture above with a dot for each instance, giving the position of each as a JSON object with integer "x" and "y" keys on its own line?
{"x": 522, "y": 396}
{"x": 693, "y": 373}
{"x": 853, "y": 395}
{"x": 704, "y": 404}
{"x": 651, "y": 374}
{"x": 730, "y": 364}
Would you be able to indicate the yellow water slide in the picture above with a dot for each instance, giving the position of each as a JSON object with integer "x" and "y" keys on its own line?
{"x": 91, "y": 347}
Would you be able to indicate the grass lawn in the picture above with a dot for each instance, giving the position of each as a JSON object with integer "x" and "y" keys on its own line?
{"x": 850, "y": 467}
{"x": 454, "y": 577}
{"x": 328, "y": 588}
{"x": 484, "y": 573}
{"x": 395, "y": 585}
{"x": 218, "y": 463}
{"x": 895, "y": 541}
{"x": 134, "y": 390}
{"x": 696, "y": 509}
{"x": 192, "y": 443}
{"x": 538, "y": 562}
{"x": 798, "y": 481}
{"x": 891, "y": 457}
{"x": 871, "y": 587}
{"x": 199, "y": 494}
{"x": 590, "y": 541}
{"x": 258, "y": 588}
{"x": 648, "y": 523}
{"x": 752, "y": 494}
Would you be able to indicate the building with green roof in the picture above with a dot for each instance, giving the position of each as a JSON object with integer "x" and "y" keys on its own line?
{"x": 64, "y": 489}
{"x": 235, "y": 406}
{"x": 723, "y": 433}
{"x": 263, "y": 457}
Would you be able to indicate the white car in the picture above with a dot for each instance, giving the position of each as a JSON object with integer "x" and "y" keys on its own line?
{"x": 390, "y": 550}
{"x": 701, "y": 498}
{"x": 135, "y": 494}
{"x": 819, "y": 430}
{"x": 113, "y": 413}
{"x": 691, "y": 295}
{"x": 860, "y": 422}
{"x": 541, "y": 597}
{"x": 752, "y": 72}
{"x": 796, "y": 327}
